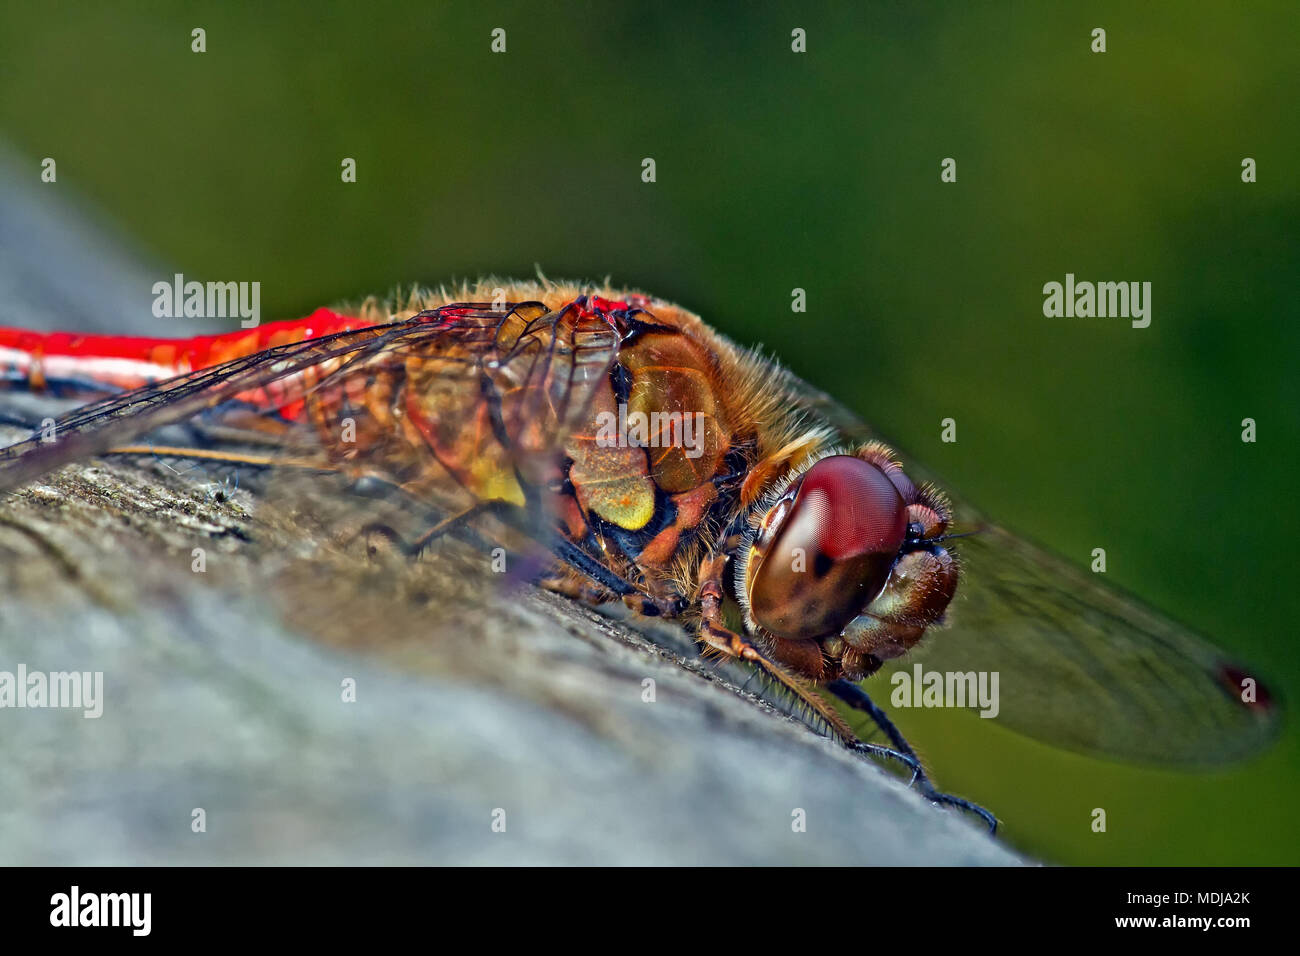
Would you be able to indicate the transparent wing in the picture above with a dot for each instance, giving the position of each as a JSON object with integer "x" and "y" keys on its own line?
{"x": 1081, "y": 664}
{"x": 122, "y": 418}
{"x": 526, "y": 369}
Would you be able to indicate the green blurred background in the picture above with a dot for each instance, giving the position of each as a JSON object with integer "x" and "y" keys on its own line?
{"x": 819, "y": 171}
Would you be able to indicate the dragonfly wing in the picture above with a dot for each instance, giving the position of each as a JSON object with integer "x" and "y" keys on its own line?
{"x": 119, "y": 419}
{"x": 543, "y": 363}
{"x": 1083, "y": 666}
{"x": 1080, "y": 664}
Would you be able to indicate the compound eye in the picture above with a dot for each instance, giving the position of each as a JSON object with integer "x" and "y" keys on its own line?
{"x": 831, "y": 551}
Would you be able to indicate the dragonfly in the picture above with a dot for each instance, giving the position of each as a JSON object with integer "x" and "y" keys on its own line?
{"x": 651, "y": 460}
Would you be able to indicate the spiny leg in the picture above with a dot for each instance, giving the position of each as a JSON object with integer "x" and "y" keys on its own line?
{"x": 521, "y": 519}
{"x": 857, "y": 698}
{"x": 369, "y": 484}
{"x": 517, "y": 517}
{"x": 451, "y": 523}
{"x": 442, "y": 524}
{"x": 716, "y": 635}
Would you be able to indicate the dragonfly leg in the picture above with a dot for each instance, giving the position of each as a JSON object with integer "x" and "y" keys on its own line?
{"x": 519, "y": 518}
{"x": 719, "y": 638}
{"x": 857, "y": 698}
{"x": 660, "y": 598}
{"x": 575, "y": 587}
{"x": 379, "y": 487}
{"x": 441, "y": 526}
{"x": 451, "y": 523}
{"x": 716, "y": 636}
{"x": 580, "y": 560}
{"x": 590, "y": 589}
{"x": 887, "y": 753}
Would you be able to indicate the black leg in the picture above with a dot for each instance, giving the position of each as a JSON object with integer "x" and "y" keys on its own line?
{"x": 575, "y": 557}
{"x": 843, "y": 733}
{"x": 857, "y": 698}
{"x": 452, "y": 523}
{"x": 383, "y": 489}
{"x": 876, "y": 750}
{"x": 568, "y": 552}
{"x": 513, "y": 515}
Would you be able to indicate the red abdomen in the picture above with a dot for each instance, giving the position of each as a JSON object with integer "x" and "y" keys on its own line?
{"x": 70, "y": 362}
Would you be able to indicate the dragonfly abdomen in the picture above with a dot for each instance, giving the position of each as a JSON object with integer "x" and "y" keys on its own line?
{"x": 74, "y": 363}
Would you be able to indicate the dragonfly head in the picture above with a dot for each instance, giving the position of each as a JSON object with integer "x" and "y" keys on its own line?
{"x": 846, "y": 558}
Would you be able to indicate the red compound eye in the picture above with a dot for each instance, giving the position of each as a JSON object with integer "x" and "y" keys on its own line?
{"x": 830, "y": 552}
{"x": 856, "y": 508}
